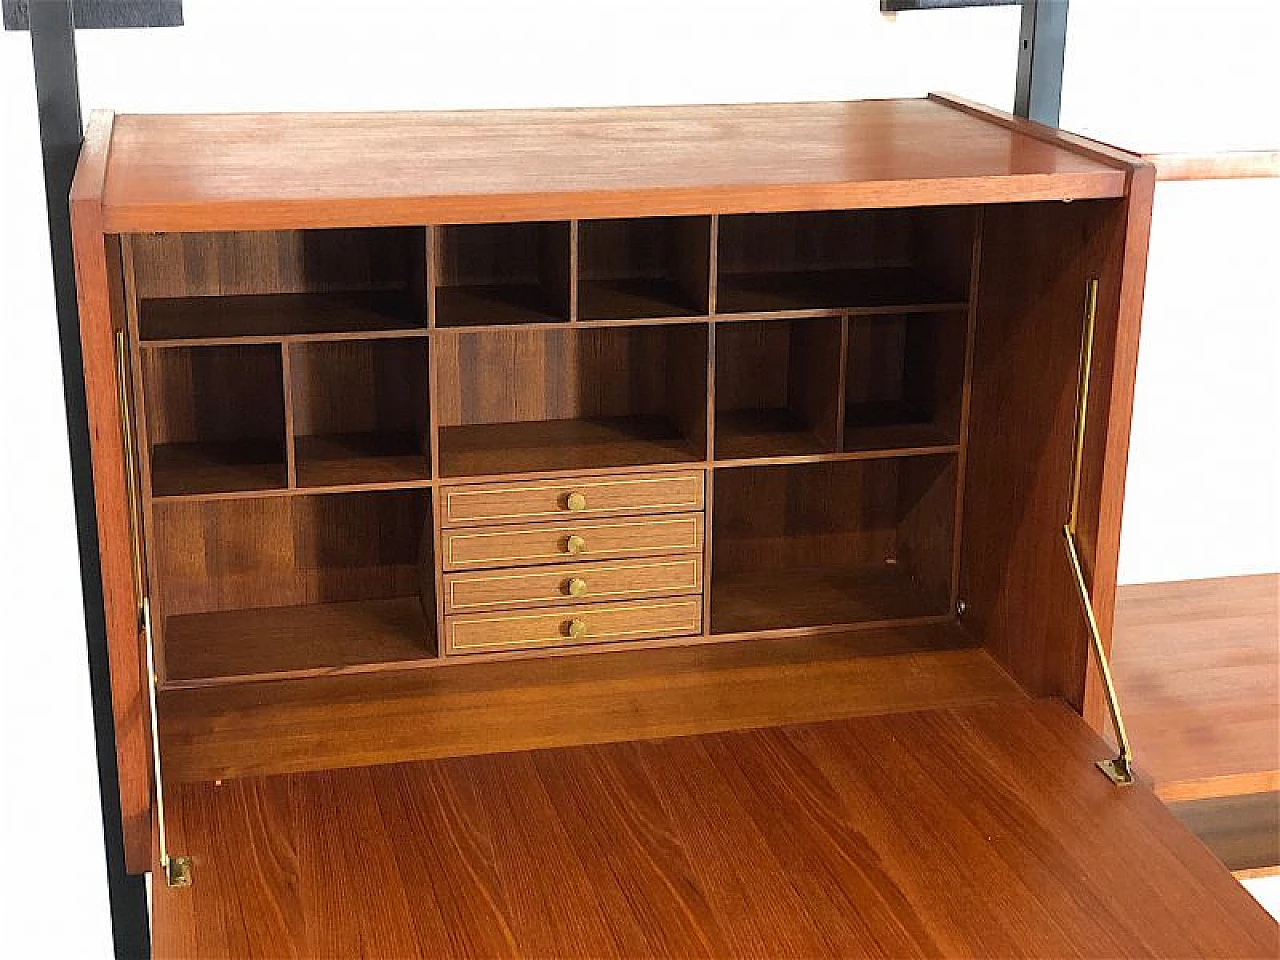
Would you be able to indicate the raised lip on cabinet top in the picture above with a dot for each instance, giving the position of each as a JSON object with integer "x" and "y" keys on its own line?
{"x": 290, "y": 171}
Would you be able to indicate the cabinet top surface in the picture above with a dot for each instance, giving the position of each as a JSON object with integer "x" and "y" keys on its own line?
{"x": 264, "y": 171}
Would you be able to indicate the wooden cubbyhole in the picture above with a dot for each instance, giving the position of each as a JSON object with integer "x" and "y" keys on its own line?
{"x": 549, "y": 399}
{"x": 262, "y": 587}
{"x": 844, "y": 543}
{"x": 192, "y": 286}
{"x": 777, "y": 388}
{"x": 215, "y": 419}
{"x": 905, "y": 381}
{"x": 872, "y": 259}
{"x": 501, "y": 273}
{"x": 359, "y": 410}
{"x": 645, "y": 267}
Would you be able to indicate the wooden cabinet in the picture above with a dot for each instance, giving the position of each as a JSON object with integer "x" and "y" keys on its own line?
{"x": 445, "y": 435}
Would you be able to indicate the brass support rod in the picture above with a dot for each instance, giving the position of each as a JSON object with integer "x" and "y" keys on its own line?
{"x": 177, "y": 870}
{"x": 1119, "y": 769}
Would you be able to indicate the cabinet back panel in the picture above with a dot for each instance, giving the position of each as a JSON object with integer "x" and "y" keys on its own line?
{"x": 283, "y": 261}
{"x": 521, "y": 376}
{"x": 808, "y": 515}
{"x": 282, "y": 551}
{"x": 914, "y": 361}
{"x": 214, "y": 394}
{"x": 354, "y": 387}
{"x": 815, "y": 240}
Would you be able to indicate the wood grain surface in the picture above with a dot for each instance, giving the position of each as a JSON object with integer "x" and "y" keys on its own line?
{"x": 1197, "y": 664}
{"x": 276, "y": 171}
{"x": 983, "y": 831}
{"x": 451, "y": 710}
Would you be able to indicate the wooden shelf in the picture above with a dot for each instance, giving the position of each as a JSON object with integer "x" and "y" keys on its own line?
{"x": 633, "y": 299}
{"x": 331, "y": 460}
{"x": 494, "y": 304}
{"x": 544, "y": 445}
{"x": 799, "y": 597}
{"x": 1198, "y": 669}
{"x": 182, "y": 469}
{"x": 232, "y": 646}
{"x": 890, "y": 424}
{"x": 763, "y": 434}
{"x": 505, "y": 705}
{"x": 899, "y": 288}
{"x": 276, "y": 315}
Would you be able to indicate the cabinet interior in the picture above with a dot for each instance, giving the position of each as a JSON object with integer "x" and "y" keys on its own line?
{"x": 307, "y": 401}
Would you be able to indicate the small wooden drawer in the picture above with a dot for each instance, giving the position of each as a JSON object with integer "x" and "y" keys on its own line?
{"x": 481, "y": 503}
{"x": 471, "y": 548}
{"x": 576, "y": 625}
{"x": 572, "y": 583}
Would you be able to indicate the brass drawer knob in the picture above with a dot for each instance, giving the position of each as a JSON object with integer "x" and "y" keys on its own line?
{"x": 575, "y": 544}
{"x": 575, "y": 629}
{"x": 576, "y": 502}
{"x": 576, "y": 587}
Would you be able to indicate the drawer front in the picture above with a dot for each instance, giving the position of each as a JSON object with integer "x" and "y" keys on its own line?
{"x": 479, "y": 503}
{"x": 572, "y": 583}
{"x": 470, "y": 548}
{"x": 575, "y": 625}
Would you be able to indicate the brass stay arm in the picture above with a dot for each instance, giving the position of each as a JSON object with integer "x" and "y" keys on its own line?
{"x": 1120, "y": 768}
{"x": 177, "y": 870}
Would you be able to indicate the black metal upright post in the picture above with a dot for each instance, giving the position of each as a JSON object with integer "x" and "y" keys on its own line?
{"x": 1042, "y": 44}
{"x": 53, "y": 51}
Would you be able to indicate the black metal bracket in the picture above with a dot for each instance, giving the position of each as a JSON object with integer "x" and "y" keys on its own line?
{"x": 100, "y": 14}
{"x": 1042, "y": 44}
{"x": 52, "y": 25}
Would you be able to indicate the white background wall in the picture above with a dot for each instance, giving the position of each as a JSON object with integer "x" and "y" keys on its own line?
{"x": 1128, "y": 80}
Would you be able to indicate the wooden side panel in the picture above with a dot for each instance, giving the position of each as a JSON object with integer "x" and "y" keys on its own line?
{"x": 1016, "y": 581}
{"x": 99, "y": 290}
{"x": 1110, "y": 425}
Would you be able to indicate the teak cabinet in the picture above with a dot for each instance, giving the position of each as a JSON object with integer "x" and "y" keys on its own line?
{"x": 445, "y": 435}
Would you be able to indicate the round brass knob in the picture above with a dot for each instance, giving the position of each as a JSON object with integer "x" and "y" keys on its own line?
{"x": 575, "y": 544}
{"x": 575, "y": 629}
{"x": 576, "y": 501}
{"x": 576, "y": 587}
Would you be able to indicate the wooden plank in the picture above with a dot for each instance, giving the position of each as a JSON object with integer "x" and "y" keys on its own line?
{"x": 975, "y": 831}
{"x": 280, "y": 171}
{"x": 1197, "y": 664}
{"x": 1243, "y": 832}
{"x": 98, "y": 279}
{"x": 1228, "y": 165}
{"x": 476, "y": 708}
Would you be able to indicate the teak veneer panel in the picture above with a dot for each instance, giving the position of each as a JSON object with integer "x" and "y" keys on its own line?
{"x": 625, "y": 694}
{"x": 1197, "y": 664}
{"x": 309, "y": 640}
{"x": 982, "y": 831}
{"x": 275, "y": 171}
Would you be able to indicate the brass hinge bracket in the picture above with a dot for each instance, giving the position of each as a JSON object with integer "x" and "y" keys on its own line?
{"x": 1120, "y": 768}
{"x": 177, "y": 870}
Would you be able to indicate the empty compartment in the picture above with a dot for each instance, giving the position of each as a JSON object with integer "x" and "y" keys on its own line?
{"x": 843, "y": 258}
{"x": 517, "y": 401}
{"x": 497, "y": 273}
{"x": 777, "y": 388}
{"x": 644, "y": 267}
{"x": 905, "y": 380}
{"x": 256, "y": 587}
{"x": 215, "y": 418}
{"x": 278, "y": 282}
{"x": 817, "y": 544}
{"x": 360, "y": 411}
